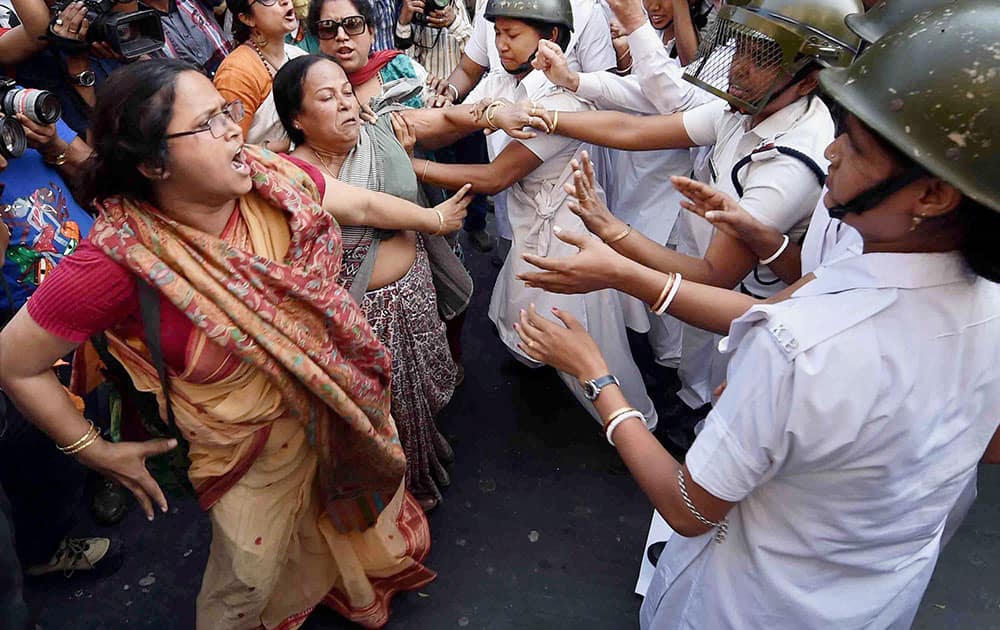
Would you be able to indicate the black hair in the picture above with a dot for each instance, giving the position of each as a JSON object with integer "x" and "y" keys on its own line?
{"x": 287, "y": 90}
{"x": 241, "y": 32}
{"x": 980, "y": 224}
{"x": 364, "y": 7}
{"x": 128, "y": 124}
{"x": 544, "y": 30}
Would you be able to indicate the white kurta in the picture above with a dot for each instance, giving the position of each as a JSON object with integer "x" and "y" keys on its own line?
{"x": 848, "y": 437}
{"x": 536, "y": 205}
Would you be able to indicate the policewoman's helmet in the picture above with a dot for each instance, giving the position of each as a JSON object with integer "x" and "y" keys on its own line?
{"x": 554, "y": 12}
{"x": 889, "y": 15}
{"x": 759, "y": 47}
{"x": 932, "y": 90}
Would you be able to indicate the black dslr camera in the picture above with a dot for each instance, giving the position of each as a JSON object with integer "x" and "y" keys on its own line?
{"x": 129, "y": 34}
{"x": 430, "y": 6}
{"x": 41, "y": 106}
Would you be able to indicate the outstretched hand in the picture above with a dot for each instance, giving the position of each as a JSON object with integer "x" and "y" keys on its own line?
{"x": 588, "y": 204}
{"x": 567, "y": 347}
{"x": 593, "y": 268}
{"x": 722, "y": 211}
{"x": 453, "y": 210}
{"x": 125, "y": 462}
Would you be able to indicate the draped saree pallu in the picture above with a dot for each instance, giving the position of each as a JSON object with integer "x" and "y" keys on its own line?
{"x": 285, "y": 403}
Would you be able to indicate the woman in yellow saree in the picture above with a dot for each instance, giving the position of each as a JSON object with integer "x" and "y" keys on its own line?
{"x": 276, "y": 380}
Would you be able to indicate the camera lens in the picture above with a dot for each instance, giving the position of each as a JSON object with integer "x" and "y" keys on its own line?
{"x": 41, "y": 106}
{"x": 13, "y": 142}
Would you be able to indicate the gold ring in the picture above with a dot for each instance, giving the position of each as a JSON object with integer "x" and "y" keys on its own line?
{"x": 531, "y": 344}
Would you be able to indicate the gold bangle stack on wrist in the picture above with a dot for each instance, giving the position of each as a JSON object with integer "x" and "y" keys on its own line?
{"x": 555, "y": 122}
{"x": 91, "y": 436}
{"x": 490, "y": 110}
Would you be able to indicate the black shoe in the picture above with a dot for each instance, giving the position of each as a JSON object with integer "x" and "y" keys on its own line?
{"x": 109, "y": 501}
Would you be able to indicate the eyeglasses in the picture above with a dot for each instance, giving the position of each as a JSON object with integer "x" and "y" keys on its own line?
{"x": 263, "y": 3}
{"x": 216, "y": 123}
{"x": 353, "y": 25}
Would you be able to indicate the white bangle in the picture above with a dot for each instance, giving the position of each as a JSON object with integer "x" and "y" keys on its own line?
{"x": 781, "y": 250}
{"x": 455, "y": 91}
{"x": 622, "y": 418}
{"x": 670, "y": 296}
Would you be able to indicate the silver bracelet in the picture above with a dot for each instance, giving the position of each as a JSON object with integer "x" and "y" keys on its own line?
{"x": 454, "y": 91}
{"x": 723, "y": 525}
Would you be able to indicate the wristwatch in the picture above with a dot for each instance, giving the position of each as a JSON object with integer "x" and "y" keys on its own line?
{"x": 592, "y": 389}
{"x": 83, "y": 79}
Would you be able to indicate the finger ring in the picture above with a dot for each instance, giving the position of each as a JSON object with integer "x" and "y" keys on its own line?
{"x": 531, "y": 344}
{"x": 59, "y": 22}
{"x": 585, "y": 197}
{"x": 69, "y": 30}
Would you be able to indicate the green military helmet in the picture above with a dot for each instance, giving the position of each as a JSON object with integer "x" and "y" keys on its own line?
{"x": 781, "y": 37}
{"x": 554, "y": 12}
{"x": 932, "y": 90}
{"x": 888, "y": 15}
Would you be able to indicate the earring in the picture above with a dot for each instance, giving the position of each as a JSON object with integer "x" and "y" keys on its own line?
{"x": 916, "y": 221}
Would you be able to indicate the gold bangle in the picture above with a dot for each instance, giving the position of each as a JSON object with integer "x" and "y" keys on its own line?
{"x": 86, "y": 435}
{"x": 555, "y": 122}
{"x": 490, "y": 111}
{"x": 614, "y": 414}
{"x": 423, "y": 175}
{"x": 440, "y": 222}
{"x": 624, "y": 233}
{"x": 663, "y": 294}
{"x": 93, "y": 438}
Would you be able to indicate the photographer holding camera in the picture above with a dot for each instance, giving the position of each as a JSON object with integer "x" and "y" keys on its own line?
{"x": 40, "y": 223}
{"x": 434, "y": 33}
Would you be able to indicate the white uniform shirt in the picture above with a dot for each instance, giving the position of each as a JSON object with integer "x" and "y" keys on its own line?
{"x": 780, "y": 191}
{"x": 827, "y": 239}
{"x": 854, "y": 418}
{"x": 589, "y": 48}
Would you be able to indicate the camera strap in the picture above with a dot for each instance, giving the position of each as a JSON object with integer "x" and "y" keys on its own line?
{"x": 149, "y": 306}
{"x": 65, "y": 43}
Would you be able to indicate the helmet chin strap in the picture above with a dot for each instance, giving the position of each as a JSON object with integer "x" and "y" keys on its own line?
{"x": 877, "y": 193}
{"x": 525, "y": 67}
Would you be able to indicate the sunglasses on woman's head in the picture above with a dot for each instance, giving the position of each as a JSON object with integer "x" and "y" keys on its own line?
{"x": 216, "y": 123}
{"x": 353, "y": 25}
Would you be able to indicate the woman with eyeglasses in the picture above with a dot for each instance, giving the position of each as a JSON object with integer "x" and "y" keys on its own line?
{"x": 260, "y": 27}
{"x": 345, "y": 29}
{"x": 215, "y": 267}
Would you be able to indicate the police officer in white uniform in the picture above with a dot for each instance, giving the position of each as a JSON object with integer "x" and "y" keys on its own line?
{"x": 858, "y": 408}
{"x": 768, "y": 131}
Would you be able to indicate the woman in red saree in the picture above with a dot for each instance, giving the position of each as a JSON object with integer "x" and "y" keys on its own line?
{"x": 276, "y": 379}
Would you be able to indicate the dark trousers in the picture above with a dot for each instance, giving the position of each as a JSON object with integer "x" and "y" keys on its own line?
{"x": 470, "y": 150}
{"x": 13, "y": 610}
{"x": 44, "y": 486}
